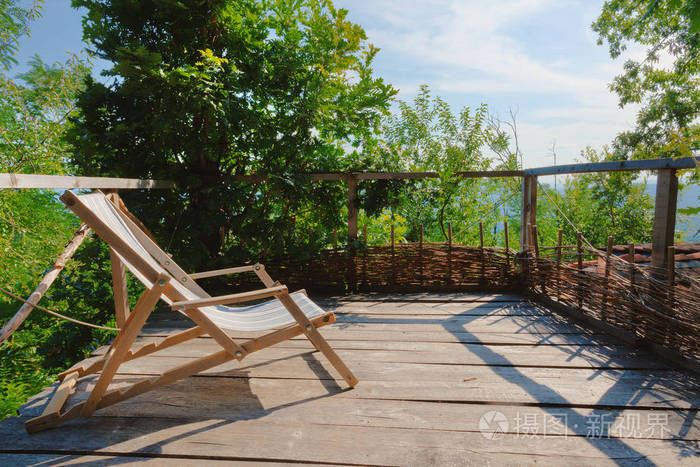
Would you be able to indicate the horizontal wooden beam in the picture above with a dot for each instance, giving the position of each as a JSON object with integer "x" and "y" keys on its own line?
{"x": 11, "y": 180}
{"x": 617, "y": 166}
{"x": 340, "y": 176}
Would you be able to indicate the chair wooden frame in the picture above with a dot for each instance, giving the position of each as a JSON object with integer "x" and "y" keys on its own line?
{"x": 131, "y": 323}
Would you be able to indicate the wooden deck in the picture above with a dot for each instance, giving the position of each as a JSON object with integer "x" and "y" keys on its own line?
{"x": 444, "y": 380}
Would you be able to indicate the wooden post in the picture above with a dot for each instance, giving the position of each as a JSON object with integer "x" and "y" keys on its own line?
{"x": 352, "y": 209}
{"x": 559, "y": 243}
{"x": 579, "y": 252}
{"x": 335, "y": 238}
{"x": 364, "y": 234}
{"x": 606, "y": 295}
{"x": 45, "y": 283}
{"x": 664, "y": 219}
{"x": 449, "y": 235}
{"x": 392, "y": 239}
{"x": 311, "y": 232}
{"x": 528, "y": 214}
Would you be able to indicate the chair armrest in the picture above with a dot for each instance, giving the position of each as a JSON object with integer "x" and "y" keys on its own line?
{"x": 223, "y": 272}
{"x": 233, "y": 298}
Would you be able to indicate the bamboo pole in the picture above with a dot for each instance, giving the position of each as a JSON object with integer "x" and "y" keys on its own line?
{"x": 630, "y": 252}
{"x": 559, "y": 242}
{"x": 579, "y": 253}
{"x": 671, "y": 274}
{"x": 48, "y": 279}
{"x": 449, "y": 253}
{"x": 393, "y": 259}
{"x": 420, "y": 253}
{"x": 606, "y": 297}
{"x": 536, "y": 244}
{"x": 507, "y": 248}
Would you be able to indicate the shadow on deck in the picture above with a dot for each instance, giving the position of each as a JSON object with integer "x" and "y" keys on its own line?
{"x": 444, "y": 379}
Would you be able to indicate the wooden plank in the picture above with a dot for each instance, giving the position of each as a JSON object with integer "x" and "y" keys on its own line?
{"x": 295, "y": 442}
{"x": 617, "y": 166}
{"x": 60, "y": 459}
{"x": 664, "y": 219}
{"x": 505, "y": 384}
{"x": 439, "y": 353}
{"x": 48, "y": 279}
{"x": 207, "y": 398}
{"x": 61, "y": 395}
{"x": 52, "y": 182}
{"x": 335, "y": 335}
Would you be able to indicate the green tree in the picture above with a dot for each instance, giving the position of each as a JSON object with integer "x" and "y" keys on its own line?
{"x": 669, "y": 94}
{"x": 14, "y": 23}
{"x": 427, "y": 136}
{"x": 207, "y": 90}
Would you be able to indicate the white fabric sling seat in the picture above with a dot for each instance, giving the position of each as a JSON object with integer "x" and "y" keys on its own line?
{"x": 264, "y": 316}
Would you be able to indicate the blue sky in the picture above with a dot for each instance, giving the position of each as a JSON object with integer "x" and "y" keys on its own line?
{"x": 536, "y": 57}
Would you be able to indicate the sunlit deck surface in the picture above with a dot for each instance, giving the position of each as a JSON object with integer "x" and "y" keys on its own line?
{"x": 448, "y": 379}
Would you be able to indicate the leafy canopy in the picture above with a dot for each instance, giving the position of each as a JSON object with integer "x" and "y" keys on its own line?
{"x": 206, "y": 90}
{"x": 666, "y": 82}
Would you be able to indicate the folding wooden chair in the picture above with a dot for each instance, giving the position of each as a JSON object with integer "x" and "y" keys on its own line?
{"x": 288, "y": 314}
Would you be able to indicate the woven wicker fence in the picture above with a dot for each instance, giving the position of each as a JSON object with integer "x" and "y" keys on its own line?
{"x": 405, "y": 267}
{"x": 641, "y": 300}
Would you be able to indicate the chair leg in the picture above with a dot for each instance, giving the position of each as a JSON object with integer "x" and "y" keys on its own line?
{"x": 317, "y": 339}
{"x": 126, "y": 337}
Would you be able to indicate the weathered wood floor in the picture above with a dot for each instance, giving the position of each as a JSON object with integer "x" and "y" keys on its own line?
{"x": 444, "y": 380}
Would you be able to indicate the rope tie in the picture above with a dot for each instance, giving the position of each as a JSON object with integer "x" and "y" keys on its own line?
{"x": 57, "y": 315}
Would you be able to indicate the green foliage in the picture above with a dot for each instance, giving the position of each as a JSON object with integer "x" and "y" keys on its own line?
{"x": 14, "y": 23}
{"x": 211, "y": 89}
{"x": 670, "y": 95}
{"x": 427, "y": 136}
{"x": 599, "y": 205}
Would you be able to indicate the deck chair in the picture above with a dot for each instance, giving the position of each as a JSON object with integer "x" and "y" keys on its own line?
{"x": 287, "y": 314}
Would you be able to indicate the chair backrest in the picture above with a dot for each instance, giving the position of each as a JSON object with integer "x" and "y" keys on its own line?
{"x": 134, "y": 248}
